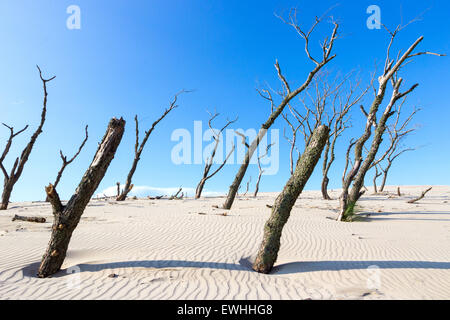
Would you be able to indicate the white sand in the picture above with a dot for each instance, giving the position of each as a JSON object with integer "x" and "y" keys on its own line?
{"x": 163, "y": 249}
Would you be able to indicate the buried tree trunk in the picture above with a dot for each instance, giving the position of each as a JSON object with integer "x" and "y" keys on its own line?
{"x": 66, "y": 217}
{"x": 281, "y": 210}
{"x": 28, "y": 219}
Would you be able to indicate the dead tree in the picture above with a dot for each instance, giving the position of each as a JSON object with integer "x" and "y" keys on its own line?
{"x": 66, "y": 217}
{"x": 248, "y": 185}
{"x": 139, "y": 147}
{"x": 18, "y": 166}
{"x": 342, "y": 100}
{"x": 288, "y": 95}
{"x": 362, "y": 165}
{"x": 420, "y": 197}
{"x": 396, "y": 135}
{"x": 66, "y": 162}
{"x": 209, "y": 161}
{"x": 28, "y": 219}
{"x": 261, "y": 171}
{"x": 268, "y": 250}
{"x": 375, "y": 177}
{"x": 292, "y": 141}
{"x": 176, "y": 195}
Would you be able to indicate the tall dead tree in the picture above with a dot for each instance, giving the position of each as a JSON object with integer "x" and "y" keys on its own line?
{"x": 362, "y": 165}
{"x": 268, "y": 250}
{"x": 330, "y": 103}
{"x": 66, "y": 162}
{"x": 16, "y": 171}
{"x": 294, "y": 131}
{"x": 327, "y": 48}
{"x": 397, "y": 133}
{"x": 139, "y": 147}
{"x": 209, "y": 162}
{"x": 375, "y": 177}
{"x": 66, "y": 217}
{"x": 260, "y": 169}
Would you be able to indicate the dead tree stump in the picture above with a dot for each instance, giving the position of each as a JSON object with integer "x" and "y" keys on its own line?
{"x": 67, "y": 217}
{"x": 281, "y": 210}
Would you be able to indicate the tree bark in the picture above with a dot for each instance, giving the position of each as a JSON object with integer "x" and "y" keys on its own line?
{"x": 139, "y": 147}
{"x": 67, "y": 217}
{"x": 327, "y": 47}
{"x": 420, "y": 197}
{"x": 19, "y": 164}
{"x": 325, "y": 195}
{"x": 28, "y": 219}
{"x": 6, "y": 194}
{"x": 383, "y": 182}
{"x": 282, "y": 207}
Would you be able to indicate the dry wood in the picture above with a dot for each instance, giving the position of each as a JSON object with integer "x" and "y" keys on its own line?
{"x": 209, "y": 161}
{"x": 28, "y": 219}
{"x": 389, "y": 75}
{"x": 139, "y": 146}
{"x": 66, "y": 162}
{"x": 420, "y": 197}
{"x": 261, "y": 171}
{"x": 287, "y": 94}
{"x": 19, "y": 164}
{"x": 66, "y": 217}
{"x": 268, "y": 250}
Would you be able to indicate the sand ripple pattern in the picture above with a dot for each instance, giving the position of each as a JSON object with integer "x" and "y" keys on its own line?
{"x": 160, "y": 249}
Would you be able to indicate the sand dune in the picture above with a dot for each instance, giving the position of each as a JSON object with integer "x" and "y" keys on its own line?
{"x": 187, "y": 249}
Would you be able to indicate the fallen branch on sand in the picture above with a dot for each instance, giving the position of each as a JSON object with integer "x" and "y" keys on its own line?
{"x": 175, "y": 196}
{"x": 420, "y": 197}
{"x": 29, "y": 219}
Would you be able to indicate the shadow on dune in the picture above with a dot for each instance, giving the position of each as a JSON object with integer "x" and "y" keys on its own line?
{"x": 245, "y": 265}
{"x": 310, "y": 266}
{"x": 385, "y": 215}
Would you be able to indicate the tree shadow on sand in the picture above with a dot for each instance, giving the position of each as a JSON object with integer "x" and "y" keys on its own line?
{"x": 244, "y": 264}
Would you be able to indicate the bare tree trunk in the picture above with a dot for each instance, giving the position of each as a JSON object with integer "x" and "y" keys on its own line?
{"x": 325, "y": 195}
{"x": 139, "y": 147}
{"x": 282, "y": 207}
{"x": 28, "y": 219}
{"x": 66, "y": 162}
{"x": 420, "y": 197}
{"x": 383, "y": 182}
{"x": 19, "y": 164}
{"x": 210, "y": 160}
{"x": 390, "y": 74}
{"x": 257, "y": 184}
{"x": 375, "y": 177}
{"x": 199, "y": 189}
{"x": 6, "y": 194}
{"x": 67, "y": 217}
{"x": 327, "y": 47}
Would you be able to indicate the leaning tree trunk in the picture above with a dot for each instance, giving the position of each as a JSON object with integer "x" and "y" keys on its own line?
{"x": 67, "y": 217}
{"x": 199, "y": 189}
{"x": 281, "y": 210}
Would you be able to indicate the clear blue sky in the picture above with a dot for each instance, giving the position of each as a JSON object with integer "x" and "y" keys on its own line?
{"x": 130, "y": 57}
